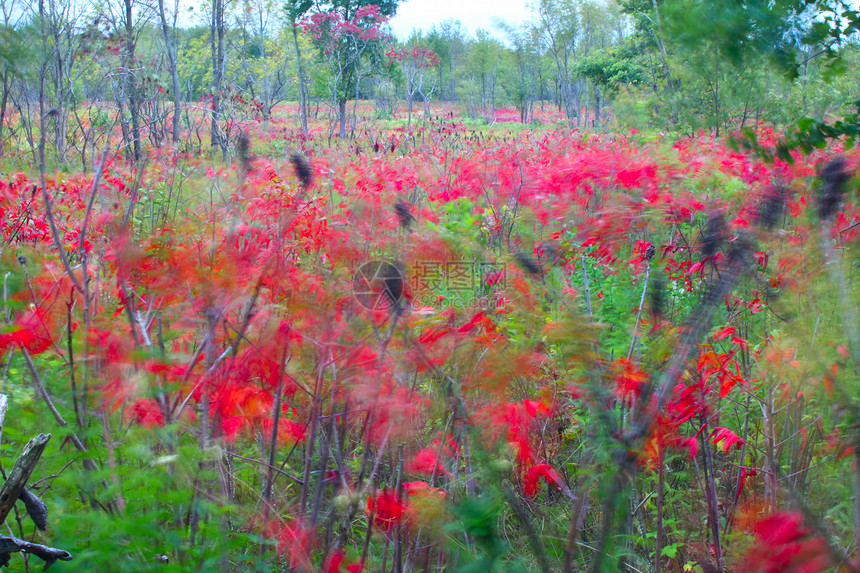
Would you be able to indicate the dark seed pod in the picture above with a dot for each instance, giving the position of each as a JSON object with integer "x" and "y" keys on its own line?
{"x": 22, "y": 260}
{"x": 303, "y": 169}
{"x": 650, "y": 251}
{"x": 404, "y": 215}
{"x": 243, "y": 151}
{"x": 528, "y": 264}
{"x": 772, "y": 207}
{"x": 834, "y": 175}
{"x": 713, "y": 235}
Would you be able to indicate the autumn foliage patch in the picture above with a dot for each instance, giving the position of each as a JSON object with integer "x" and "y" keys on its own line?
{"x": 593, "y": 338}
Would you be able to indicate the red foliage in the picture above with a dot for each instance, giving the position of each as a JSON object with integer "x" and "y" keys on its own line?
{"x": 338, "y": 563}
{"x": 727, "y": 437}
{"x": 30, "y": 331}
{"x": 629, "y": 379}
{"x": 785, "y": 545}
{"x": 387, "y": 509}
{"x": 414, "y": 56}
{"x": 426, "y": 462}
{"x": 516, "y": 424}
{"x": 230, "y": 300}
{"x": 295, "y": 541}
{"x": 541, "y": 471}
{"x": 147, "y": 413}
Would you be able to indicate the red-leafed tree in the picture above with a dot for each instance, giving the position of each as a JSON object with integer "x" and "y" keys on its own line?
{"x": 349, "y": 40}
{"x": 416, "y": 62}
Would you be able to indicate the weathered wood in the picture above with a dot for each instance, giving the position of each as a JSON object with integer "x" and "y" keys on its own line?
{"x": 17, "y": 479}
{"x": 4, "y": 407}
{"x": 14, "y": 489}
{"x": 49, "y": 555}
{"x": 36, "y": 508}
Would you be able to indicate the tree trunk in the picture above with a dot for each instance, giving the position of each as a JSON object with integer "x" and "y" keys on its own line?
{"x": 124, "y": 127}
{"x": 302, "y": 91}
{"x": 131, "y": 82}
{"x": 42, "y": 71}
{"x": 216, "y": 45}
{"x": 170, "y": 47}
{"x": 5, "y": 99}
{"x": 408, "y": 110}
{"x": 585, "y": 90}
{"x": 341, "y": 117}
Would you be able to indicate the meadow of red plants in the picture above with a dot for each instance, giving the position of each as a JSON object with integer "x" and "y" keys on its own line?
{"x": 453, "y": 350}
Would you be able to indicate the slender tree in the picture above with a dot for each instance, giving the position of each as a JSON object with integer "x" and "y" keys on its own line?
{"x": 296, "y": 9}
{"x": 169, "y": 34}
{"x": 217, "y": 33}
{"x": 346, "y": 33}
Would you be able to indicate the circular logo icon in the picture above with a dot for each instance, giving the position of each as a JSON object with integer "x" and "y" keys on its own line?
{"x": 378, "y": 285}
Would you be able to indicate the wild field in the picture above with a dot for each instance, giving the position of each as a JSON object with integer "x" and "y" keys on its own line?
{"x": 468, "y": 347}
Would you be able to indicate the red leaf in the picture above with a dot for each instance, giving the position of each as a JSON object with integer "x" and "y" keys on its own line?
{"x": 294, "y": 540}
{"x": 421, "y": 488}
{"x": 289, "y": 432}
{"x": 426, "y": 462}
{"x": 725, "y": 332}
{"x": 147, "y": 413}
{"x": 32, "y": 331}
{"x": 745, "y": 472}
{"x": 728, "y": 437}
{"x": 337, "y": 563}
{"x": 692, "y": 445}
{"x": 784, "y": 543}
{"x": 535, "y": 473}
{"x": 387, "y": 510}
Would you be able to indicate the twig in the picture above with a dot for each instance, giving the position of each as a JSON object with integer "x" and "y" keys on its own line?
{"x": 40, "y": 386}
{"x": 262, "y": 463}
{"x": 273, "y": 443}
{"x": 585, "y": 281}
{"x": 639, "y": 314}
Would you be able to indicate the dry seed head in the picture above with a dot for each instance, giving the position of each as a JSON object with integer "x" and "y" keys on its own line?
{"x": 713, "y": 234}
{"x": 834, "y": 174}
{"x": 243, "y": 149}
{"x": 404, "y": 214}
{"x": 303, "y": 169}
{"x": 650, "y": 251}
{"x": 528, "y": 264}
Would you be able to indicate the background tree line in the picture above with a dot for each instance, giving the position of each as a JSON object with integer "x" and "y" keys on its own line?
{"x": 70, "y": 71}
